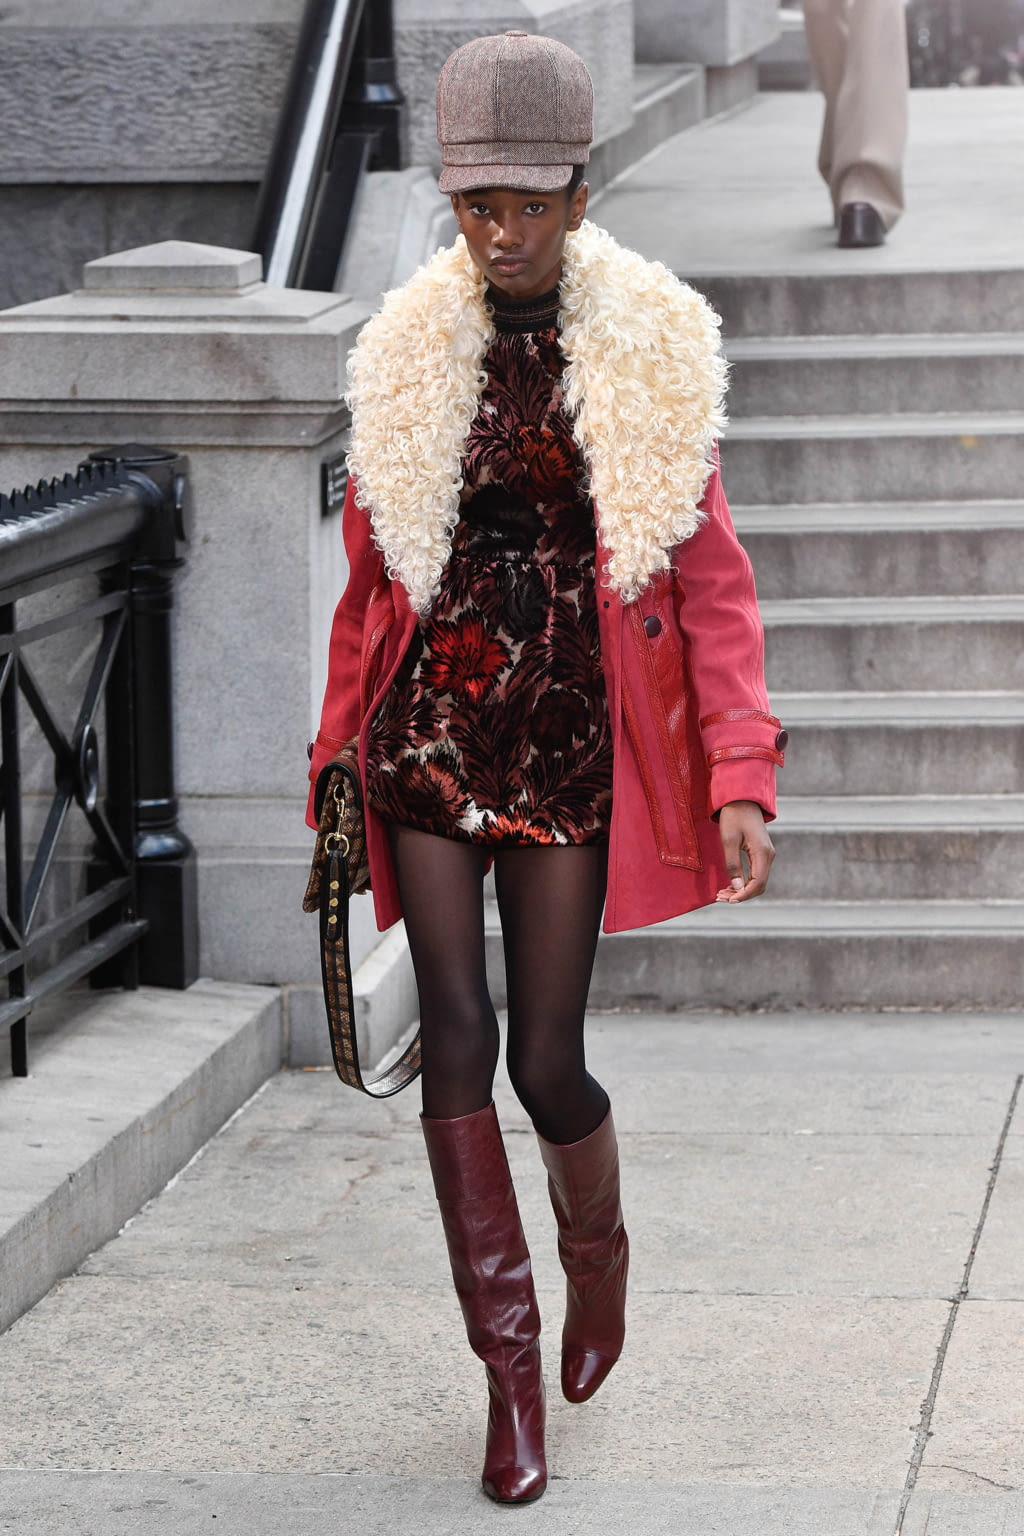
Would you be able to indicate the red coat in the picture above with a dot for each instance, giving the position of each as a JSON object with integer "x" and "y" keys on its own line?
{"x": 691, "y": 727}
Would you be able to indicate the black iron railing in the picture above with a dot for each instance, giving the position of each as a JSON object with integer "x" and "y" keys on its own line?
{"x": 341, "y": 116}
{"x": 87, "y": 567}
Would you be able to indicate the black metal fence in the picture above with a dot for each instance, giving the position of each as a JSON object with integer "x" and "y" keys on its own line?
{"x": 87, "y": 569}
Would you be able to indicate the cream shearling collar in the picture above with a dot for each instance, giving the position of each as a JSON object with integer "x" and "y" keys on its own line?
{"x": 644, "y": 388}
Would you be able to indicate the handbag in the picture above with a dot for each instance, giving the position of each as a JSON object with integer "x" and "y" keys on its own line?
{"x": 339, "y": 870}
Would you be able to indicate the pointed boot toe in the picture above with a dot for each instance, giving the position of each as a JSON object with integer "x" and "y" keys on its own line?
{"x": 494, "y": 1283}
{"x": 515, "y": 1468}
{"x": 583, "y": 1371}
{"x": 515, "y": 1485}
{"x": 583, "y": 1182}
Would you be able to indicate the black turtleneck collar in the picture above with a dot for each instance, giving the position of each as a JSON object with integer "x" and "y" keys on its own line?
{"x": 536, "y": 314}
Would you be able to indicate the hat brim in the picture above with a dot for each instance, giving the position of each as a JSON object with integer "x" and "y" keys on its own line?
{"x": 518, "y": 178}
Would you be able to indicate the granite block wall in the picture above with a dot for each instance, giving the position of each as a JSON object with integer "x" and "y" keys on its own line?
{"x": 714, "y": 32}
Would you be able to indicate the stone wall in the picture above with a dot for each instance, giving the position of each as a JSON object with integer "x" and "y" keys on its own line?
{"x": 713, "y": 32}
{"x": 123, "y": 121}
{"x": 129, "y": 120}
{"x": 142, "y": 103}
{"x": 48, "y": 230}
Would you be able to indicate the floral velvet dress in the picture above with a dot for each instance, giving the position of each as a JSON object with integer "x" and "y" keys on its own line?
{"x": 496, "y": 728}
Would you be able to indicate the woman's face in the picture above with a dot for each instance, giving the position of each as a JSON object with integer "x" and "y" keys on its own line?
{"x": 517, "y": 238}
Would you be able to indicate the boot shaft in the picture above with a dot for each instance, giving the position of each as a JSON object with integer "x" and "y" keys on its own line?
{"x": 490, "y": 1261}
{"x": 494, "y": 1283}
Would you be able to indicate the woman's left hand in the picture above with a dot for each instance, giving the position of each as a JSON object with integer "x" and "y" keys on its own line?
{"x": 743, "y": 832}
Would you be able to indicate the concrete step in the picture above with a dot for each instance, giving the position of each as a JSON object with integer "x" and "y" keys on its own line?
{"x": 667, "y": 98}
{"x": 125, "y": 1088}
{"x": 785, "y": 459}
{"x": 892, "y": 548}
{"x": 899, "y": 847}
{"x": 817, "y": 954}
{"x": 838, "y": 643}
{"x": 837, "y": 375}
{"x": 845, "y": 303}
{"x": 865, "y": 743}
{"x": 794, "y": 955}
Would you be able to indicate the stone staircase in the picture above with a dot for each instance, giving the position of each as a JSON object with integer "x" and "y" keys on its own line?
{"x": 874, "y": 465}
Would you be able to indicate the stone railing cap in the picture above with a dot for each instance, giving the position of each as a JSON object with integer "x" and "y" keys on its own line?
{"x": 174, "y": 265}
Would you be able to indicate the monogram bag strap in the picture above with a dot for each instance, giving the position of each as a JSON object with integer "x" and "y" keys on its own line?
{"x": 344, "y": 845}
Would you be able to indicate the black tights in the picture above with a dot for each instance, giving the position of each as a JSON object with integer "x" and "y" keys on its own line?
{"x": 550, "y": 902}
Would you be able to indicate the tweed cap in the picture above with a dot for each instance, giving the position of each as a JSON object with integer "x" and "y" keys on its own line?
{"x": 515, "y": 110}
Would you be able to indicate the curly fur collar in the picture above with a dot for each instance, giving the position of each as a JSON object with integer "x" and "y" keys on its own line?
{"x": 644, "y": 387}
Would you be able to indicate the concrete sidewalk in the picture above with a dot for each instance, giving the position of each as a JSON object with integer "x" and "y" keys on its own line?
{"x": 826, "y": 1312}
{"x": 740, "y": 195}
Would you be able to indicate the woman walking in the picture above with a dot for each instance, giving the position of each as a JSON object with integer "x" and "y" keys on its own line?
{"x": 550, "y": 650}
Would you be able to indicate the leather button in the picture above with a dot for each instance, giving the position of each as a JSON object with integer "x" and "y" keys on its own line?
{"x": 309, "y": 750}
{"x": 782, "y": 741}
{"x": 652, "y": 624}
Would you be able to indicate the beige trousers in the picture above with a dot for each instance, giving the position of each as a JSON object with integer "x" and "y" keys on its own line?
{"x": 858, "y": 50}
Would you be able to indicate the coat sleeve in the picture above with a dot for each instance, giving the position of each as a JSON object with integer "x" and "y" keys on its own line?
{"x": 340, "y": 717}
{"x": 718, "y": 614}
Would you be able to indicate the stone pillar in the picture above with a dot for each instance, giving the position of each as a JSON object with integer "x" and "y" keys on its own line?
{"x": 183, "y": 346}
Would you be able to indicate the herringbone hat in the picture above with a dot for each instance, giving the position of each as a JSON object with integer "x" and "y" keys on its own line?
{"x": 515, "y": 110}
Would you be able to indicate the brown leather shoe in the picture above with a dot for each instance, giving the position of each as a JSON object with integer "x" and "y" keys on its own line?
{"x": 583, "y": 1182}
{"x": 860, "y": 224}
{"x": 494, "y": 1283}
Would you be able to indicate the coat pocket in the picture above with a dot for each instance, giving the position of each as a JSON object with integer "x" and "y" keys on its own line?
{"x": 654, "y": 702}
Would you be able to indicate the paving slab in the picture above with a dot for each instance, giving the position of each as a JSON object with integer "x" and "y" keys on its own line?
{"x": 998, "y": 1270}
{"x": 705, "y": 1214}
{"x": 815, "y": 1104}
{"x": 367, "y": 1215}
{"x": 677, "y": 1097}
{"x": 942, "y": 1514}
{"x": 976, "y": 1441}
{"x": 276, "y": 1332}
{"x": 730, "y": 1215}
{"x": 203, "y": 1376}
{"x": 948, "y": 1515}
{"x": 155, "y": 1503}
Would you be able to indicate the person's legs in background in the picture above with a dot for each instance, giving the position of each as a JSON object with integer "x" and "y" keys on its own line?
{"x": 826, "y": 31}
{"x": 858, "y": 50}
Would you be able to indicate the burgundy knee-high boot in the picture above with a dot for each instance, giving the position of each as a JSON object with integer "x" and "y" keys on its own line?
{"x": 494, "y": 1283}
{"x": 583, "y": 1181}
